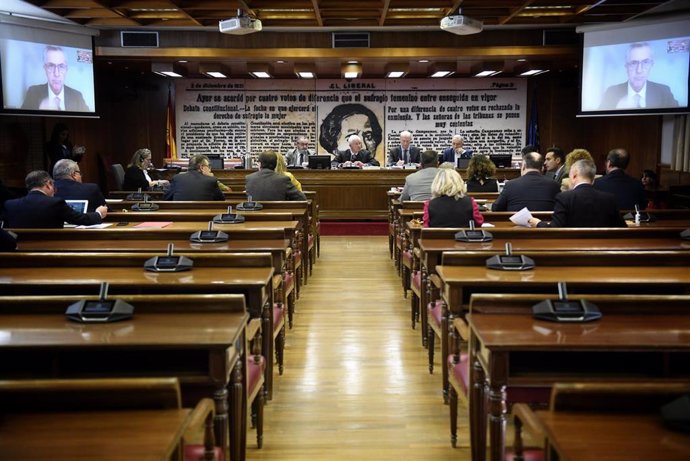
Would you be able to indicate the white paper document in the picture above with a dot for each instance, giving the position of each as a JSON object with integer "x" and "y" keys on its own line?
{"x": 522, "y": 217}
{"x": 96, "y": 226}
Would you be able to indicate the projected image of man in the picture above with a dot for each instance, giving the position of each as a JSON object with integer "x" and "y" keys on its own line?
{"x": 638, "y": 92}
{"x": 54, "y": 94}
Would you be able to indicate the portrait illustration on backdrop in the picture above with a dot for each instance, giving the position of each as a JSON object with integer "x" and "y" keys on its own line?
{"x": 348, "y": 119}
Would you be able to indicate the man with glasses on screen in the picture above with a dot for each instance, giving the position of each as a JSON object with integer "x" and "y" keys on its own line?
{"x": 54, "y": 94}
{"x": 638, "y": 92}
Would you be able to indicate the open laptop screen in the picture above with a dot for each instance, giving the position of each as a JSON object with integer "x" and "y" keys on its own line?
{"x": 78, "y": 205}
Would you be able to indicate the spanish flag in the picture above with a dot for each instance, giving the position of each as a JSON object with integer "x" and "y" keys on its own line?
{"x": 170, "y": 147}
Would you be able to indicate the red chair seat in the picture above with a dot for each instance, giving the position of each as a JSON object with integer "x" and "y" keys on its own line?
{"x": 460, "y": 370}
{"x": 288, "y": 282}
{"x": 530, "y": 454}
{"x": 407, "y": 258}
{"x": 436, "y": 311}
{"x": 278, "y": 315}
{"x": 310, "y": 241}
{"x": 255, "y": 370}
{"x": 298, "y": 258}
{"x": 417, "y": 281}
{"x": 196, "y": 453}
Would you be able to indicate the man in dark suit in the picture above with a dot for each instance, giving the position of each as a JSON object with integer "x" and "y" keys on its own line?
{"x": 627, "y": 190}
{"x": 405, "y": 153}
{"x": 355, "y": 155}
{"x": 531, "y": 189}
{"x": 583, "y": 205}
{"x": 198, "y": 183}
{"x": 41, "y": 209}
{"x": 452, "y": 154}
{"x": 68, "y": 185}
{"x": 638, "y": 92}
{"x": 554, "y": 164}
{"x": 267, "y": 185}
{"x": 300, "y": 153}
{"x": 54, "y": 95}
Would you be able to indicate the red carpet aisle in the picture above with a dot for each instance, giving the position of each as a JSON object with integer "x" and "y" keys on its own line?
{"x": 354, "y": 228}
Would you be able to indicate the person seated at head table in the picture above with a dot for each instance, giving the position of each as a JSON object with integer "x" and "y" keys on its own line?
{"x": 405, "y": 153}
{"x": 418, "y": 184}
{"x": 281, "y": 168}
{"x": 450, "y": 206}
{"x": 198, "y": 183}
{"x": 267, "y": 185}
{"x": 531, "y": 190}
{"x": 299, "y": 155}
{"x": 583, "y": 205}
{"x": 572, "y": 157}
{"x": 452, "y": 154}
{"x": 480, "y": 170}
{"x": 627, "y": 190}
{"x": 40, "y": 209}
{"x": 355, "y": 155}
{"x": 136, "y": 173}
{"x": 69, "y": 185}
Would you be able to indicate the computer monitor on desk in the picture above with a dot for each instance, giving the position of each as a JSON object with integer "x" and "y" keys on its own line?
{"x": 215, "y": 161}
{"x": 319, "y": 162}
{"x": 501, "y": 160}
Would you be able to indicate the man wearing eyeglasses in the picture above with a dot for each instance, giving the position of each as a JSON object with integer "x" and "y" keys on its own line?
{"x": 638, "y": 92}
{"x": 198, "y": 183}
{"x": 68, "y": 181}
{"x": 54, "y": 94}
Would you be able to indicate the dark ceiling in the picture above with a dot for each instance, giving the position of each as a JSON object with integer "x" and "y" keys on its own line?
{"x": 512, "y": 30}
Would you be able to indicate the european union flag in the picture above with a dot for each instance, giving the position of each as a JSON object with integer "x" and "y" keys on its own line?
{"x": 533, "y": 127}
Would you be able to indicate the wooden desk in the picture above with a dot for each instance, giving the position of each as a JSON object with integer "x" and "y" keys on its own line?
{"x": 516, "y": 349}
{"x": 612, "y": 436}
{"x": 367, "y": 190}
{"x": 169, "y": 336}
{"x": 102, "y": 435}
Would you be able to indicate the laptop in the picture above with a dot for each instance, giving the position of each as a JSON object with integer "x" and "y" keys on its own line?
{"x": 462, "y": 163}
{"x": 77, "y": 205}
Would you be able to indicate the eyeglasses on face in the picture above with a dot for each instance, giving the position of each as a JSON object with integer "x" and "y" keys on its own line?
{"x": 61, "y": 68}
{"x": 645, "y": 63}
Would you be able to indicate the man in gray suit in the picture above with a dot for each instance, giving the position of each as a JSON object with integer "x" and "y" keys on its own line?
{"x": 198, "y": 183}
{"x": 267, "y": 185}
{"x": 418, "y": 184}
{"x": 300, "y": 153}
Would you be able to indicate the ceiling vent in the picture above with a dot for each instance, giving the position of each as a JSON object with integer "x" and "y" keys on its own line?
{"x": 351, "y": 40}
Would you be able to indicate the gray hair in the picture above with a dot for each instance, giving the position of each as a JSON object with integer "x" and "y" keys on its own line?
{"x": 352, "y": 138}
{"x": 65, "y": 168}
{"x": 586, "y": 169}
{"x": 36, "y": 179}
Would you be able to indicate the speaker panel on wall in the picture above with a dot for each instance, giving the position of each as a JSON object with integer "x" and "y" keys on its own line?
{"x": 137, "y": 39}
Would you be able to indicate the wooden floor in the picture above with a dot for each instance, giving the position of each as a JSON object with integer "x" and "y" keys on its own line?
{"x": 356, "y": 384}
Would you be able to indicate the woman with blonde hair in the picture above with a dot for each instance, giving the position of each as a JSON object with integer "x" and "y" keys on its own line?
{"x": 480, "y": 170}
{"x": 572, "y": 157}
{"x": 450, "y": 206}
{"x": 281, "y": 168}
{"x": 137, "y": 175}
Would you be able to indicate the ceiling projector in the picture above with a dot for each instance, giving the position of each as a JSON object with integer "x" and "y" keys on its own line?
{"x": 241, "y": 25}
{"x": 461, "y": 25}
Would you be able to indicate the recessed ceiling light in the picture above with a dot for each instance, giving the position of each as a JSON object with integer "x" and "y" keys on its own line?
{"x": 423, "y": 60}
{"x": 395, "y": 74}
{"x": 441, "y": 73}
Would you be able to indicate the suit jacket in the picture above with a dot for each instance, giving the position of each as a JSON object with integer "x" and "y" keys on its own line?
{"x": 657, "y": 95}
{"x": 395, "y": 155}
{"x": 193, "y": 185}
{"x": 531, "y": 190}
{"x": 39, "y": 211}
{"x": 490, "y": 185}
{"x": 135, "y": 179}
{"x": 418, "y": 184}
{"x": 363, "y": 156}
{"x": 449, "y": 154}
{"x": 585, "y": 206}
{"x": 627, "y": 190}
{"x": 292, "y": 157}
{"x": 73, "y": 190}
{"x": 74, "y": 101}
{"x": 556, "y": 175}
{"x": 267, "y": 185}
